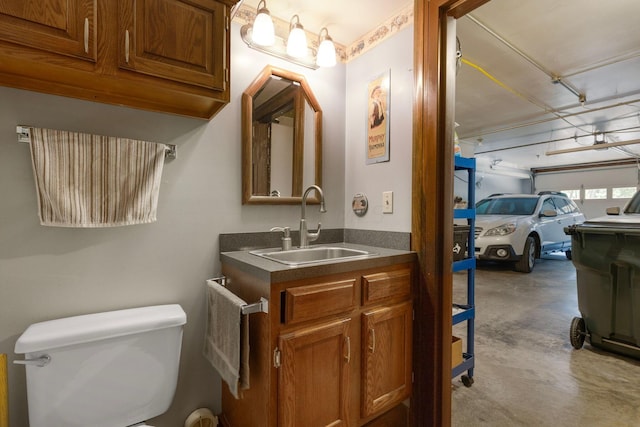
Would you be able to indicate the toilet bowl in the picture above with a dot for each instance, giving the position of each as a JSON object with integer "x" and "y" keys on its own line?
{"x": 112, "y": 369}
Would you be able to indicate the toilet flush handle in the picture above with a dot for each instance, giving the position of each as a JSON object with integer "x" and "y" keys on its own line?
{"x": 40, "y": 361}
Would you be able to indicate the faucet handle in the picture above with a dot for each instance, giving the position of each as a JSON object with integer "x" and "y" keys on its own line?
{"x": 286, "y": 237}
{"x": 312, "y": 237}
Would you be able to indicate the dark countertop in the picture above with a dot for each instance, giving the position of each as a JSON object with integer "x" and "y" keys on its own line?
{"x": 275, "y": 272}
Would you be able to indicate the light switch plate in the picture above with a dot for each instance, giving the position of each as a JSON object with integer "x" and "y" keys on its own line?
{"x": 387, "y": 202}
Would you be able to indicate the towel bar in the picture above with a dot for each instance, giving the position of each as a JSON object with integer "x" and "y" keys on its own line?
{"x": 261, "y": 306}
{"x": 24, "y": 135}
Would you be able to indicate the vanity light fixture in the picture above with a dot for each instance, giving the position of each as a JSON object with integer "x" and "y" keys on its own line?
{"x": 326, "y": 49}
{"x": 297, "y": 41}
{"x": 262, "y": 32}
{"x": 294, "y": 48}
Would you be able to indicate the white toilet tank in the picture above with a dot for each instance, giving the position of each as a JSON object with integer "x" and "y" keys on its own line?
{"x": 110, "y": 369}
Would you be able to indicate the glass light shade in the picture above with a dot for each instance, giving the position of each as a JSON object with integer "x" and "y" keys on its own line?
{"x": 297, "y": 42}
{"x": 263, "y": 32}
{"x": 326, "y": 53}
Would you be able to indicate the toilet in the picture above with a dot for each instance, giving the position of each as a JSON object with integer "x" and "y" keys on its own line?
{"x": 112, "y": 369}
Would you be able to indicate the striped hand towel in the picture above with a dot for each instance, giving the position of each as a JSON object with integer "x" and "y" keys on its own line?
{"x": 85, "y": 180}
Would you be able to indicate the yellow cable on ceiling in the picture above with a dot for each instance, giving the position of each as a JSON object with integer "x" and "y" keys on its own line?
{"x": 535, "y": 102}
{"x": 503, "y": 85}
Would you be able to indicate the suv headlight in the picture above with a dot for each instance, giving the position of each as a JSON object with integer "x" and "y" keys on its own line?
{"x": 502, "y": 230}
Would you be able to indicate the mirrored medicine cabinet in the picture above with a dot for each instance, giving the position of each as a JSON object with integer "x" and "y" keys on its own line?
{"x": 281, "y": 138}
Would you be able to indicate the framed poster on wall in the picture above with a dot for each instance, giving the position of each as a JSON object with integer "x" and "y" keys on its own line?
{"x": 378, "y": 119}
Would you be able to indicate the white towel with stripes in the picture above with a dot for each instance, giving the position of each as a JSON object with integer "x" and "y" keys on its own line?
{"x": 85, "y": 180}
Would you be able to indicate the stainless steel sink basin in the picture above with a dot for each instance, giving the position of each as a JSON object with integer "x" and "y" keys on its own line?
{"x": 310, "y": 255}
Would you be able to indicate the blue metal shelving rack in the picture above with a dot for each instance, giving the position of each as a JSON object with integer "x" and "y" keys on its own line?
{"x": 467, "y": 312}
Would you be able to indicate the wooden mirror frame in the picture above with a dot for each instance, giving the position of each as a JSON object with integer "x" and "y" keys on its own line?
{"x": 247, "y": 139}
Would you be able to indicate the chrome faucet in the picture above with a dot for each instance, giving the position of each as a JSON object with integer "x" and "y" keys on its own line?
{"x": 305, "y": 236}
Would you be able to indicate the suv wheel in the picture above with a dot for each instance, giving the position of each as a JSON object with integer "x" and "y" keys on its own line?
{"x": 526, "y": 263}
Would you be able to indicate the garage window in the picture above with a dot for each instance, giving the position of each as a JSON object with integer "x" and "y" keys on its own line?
{"x": 595, "y": 193}
{"x": 622, "y": 192}
{"x": 572, "y": 194}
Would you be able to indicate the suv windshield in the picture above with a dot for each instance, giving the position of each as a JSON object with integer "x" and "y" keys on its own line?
{"x": 507, "y": 206}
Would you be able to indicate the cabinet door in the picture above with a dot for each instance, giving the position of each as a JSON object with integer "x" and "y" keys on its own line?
{"x": 386, "y": 357}
{"x": 313, "y": 380}
{"x": 176, "y": 40}
{"x": 64, "y": 27}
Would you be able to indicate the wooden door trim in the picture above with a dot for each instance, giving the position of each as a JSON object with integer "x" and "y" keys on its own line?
{"x": 432, "y": 205}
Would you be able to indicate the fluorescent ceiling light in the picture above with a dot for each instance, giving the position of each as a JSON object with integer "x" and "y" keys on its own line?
{"x": 592, "y": 147}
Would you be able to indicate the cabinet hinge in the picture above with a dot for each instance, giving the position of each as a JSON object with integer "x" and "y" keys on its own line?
{"x": 276, "y": 358}
{"x": 228, "y": 22}
{"x": 226, "y": 75}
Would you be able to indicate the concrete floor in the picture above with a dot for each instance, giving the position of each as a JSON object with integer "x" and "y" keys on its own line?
{"x": 526, "y": 372}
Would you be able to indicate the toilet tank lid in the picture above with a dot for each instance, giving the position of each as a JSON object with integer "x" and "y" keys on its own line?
{"x": 98, "y": 326}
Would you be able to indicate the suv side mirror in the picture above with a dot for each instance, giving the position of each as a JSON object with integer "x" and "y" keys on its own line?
{"x": 549, "y": 213}
{"x": 613, "y": 211}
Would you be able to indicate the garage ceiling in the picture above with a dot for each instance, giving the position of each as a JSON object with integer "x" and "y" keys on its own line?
{"x": 536, "y": 75}
{"x": 544, "y": 75}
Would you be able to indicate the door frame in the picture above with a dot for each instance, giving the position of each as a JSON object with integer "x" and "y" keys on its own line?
{"x": 432, "y": 204}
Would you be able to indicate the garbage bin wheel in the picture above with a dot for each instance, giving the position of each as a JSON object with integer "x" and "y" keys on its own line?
{"x": 528, "y": 260}
{"x": 568, "y": 254}
{"x": 577, "y": 332}
{"x": 467, "y": 380}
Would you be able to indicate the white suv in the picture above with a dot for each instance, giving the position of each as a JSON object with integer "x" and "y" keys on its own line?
{"x": 521, "y": 227}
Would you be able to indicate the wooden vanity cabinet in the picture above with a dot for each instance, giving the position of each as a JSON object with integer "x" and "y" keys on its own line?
{"x": 161, "y": 55}
{"x": 386, "y": 356}
{"x": 313, "y": 380}
{"x": 333, "y": 350}
{"x": 386, "y": 340}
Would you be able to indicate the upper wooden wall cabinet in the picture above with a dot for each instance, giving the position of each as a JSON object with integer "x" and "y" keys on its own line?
{"x": 161, "y": 55}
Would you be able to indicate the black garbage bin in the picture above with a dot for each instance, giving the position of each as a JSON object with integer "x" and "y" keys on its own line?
{"x": 606, "y": 254}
